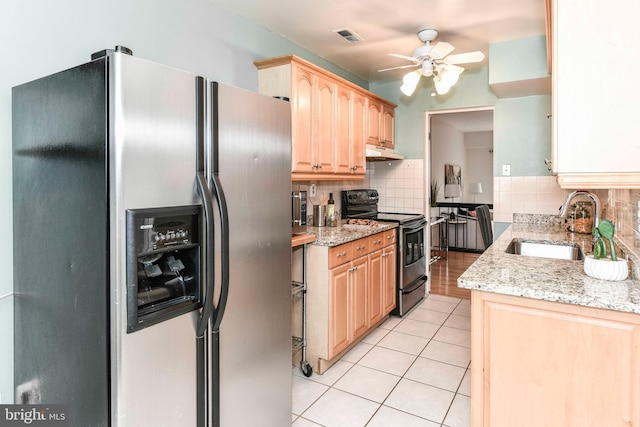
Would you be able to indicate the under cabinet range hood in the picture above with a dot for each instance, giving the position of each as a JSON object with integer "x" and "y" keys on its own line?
{"x": 375, "y": 153}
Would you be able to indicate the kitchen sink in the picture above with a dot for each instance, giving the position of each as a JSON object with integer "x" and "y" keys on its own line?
{"x": 545, "y": 249}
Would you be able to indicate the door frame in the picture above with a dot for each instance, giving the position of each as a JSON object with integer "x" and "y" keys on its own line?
{"x": 427, "y": 166}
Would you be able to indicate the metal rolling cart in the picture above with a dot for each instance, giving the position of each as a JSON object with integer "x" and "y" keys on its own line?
{"x": 299, "y": 292}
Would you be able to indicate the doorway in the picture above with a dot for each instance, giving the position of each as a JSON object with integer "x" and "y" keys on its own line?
{"x": 460, "y": 140}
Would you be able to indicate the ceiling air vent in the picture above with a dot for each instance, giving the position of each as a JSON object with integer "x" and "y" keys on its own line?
{"x": 348, "y": 35}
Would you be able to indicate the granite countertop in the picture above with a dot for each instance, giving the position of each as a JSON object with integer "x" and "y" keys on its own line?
{"x": 334, "y": 236}
{"x": 546, "y": 279}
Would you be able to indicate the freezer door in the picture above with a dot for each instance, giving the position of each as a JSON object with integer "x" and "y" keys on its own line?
{"x": 60, "y": 243}
{"x": 152, "y": 164}
{"x": 252, "y": 153}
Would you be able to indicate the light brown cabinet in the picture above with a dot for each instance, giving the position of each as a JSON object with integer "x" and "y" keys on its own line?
{"x": 389, "y": 266}
{"x": 380, "y": 124}
{"x": 348, "y": 294}
{"x": 347, "y": 308}
{"x": 595, "y": 126}
{"x": 350, "y": 120}
{"x": 312, "y": 101}
{"x": 382, "y": 282}
{"x": 539, "y": 363}
{"x": 330, "y": 118}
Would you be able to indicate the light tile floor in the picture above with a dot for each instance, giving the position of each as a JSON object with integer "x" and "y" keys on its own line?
{"x": 411, "y": 371}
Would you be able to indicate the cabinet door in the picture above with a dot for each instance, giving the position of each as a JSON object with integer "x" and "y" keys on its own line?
{"x": 595, "y": 114}
{"x": 376, "y": 287}
{"x": 358, "y": 283}
{"x": 323, "y": 140}
{"x": 302, "y": 120}
{"x": 343, "y": 130}
{"x": 359, "y": 121}
{"x": 374, "y": 116}
{"x": 549, "y": 364}
{"x": 387, "y": 126}
{"x": 339, "y": 336}
{"x": 389, "y": 278}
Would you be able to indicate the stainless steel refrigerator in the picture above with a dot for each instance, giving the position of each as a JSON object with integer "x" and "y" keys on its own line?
{"x": 151, "y": 247}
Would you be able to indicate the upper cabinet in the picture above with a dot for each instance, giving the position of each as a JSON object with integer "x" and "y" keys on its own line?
{"x": 596, "y": 98}
{"x": 330, "y": 118}
{"x": 380, "y": 124}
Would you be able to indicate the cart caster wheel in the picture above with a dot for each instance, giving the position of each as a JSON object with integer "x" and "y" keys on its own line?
{"x": 307, "y": 370}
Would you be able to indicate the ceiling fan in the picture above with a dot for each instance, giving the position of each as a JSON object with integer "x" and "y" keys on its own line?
{"x": 434, "y": 60}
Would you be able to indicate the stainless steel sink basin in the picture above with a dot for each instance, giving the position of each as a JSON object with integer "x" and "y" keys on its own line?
{"x": 545, "y": 249}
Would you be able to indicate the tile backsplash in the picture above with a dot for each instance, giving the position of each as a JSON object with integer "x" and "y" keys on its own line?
{"x": 400, "y": 185}
{"x": 624, "y": 210}
{"x": 401, "y": 188}
{"x": 530, "y": 194}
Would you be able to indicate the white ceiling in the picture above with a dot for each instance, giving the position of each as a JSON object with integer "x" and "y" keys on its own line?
{"x": 391, "y": 26}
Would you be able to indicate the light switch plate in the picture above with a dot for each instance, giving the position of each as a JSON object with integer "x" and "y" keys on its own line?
{"x": 506, "y": 170}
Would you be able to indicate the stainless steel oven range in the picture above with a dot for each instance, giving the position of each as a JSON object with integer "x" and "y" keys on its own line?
{"x": 411, "y": 278}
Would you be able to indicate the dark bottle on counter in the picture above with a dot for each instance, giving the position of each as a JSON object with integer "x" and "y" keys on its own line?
{"x": 331, "y": 211}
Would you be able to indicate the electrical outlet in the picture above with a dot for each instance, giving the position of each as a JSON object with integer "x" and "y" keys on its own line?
{"x": 312, "y": 190}
{"x": 506, "y": 170}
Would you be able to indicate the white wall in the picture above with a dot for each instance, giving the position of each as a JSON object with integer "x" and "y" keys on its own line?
{"x": 40, "y": 37}
{"x": 478, "y": 165}
{"x": 447, "y": 147}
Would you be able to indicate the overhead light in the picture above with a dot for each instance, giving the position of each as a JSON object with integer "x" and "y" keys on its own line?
{"x": 449, "y": 77}
{"x": 410, "y": 82}
{"x": 441, "y": 86}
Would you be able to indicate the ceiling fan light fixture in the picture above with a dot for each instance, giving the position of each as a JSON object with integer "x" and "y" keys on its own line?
{"x": 441, "y": 87}
{"x": 449, "y": 77}
{"x": 410, "y": 82}
{"x": 427, "y": 68}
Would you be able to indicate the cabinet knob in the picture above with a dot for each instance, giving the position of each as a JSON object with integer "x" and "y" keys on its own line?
{"x": 342, "y": 254}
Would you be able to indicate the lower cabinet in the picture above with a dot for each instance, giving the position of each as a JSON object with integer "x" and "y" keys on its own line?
{"x": 382, "y": 284}
{"x": 347, "y": 304}
{"x": 350, "y": 291}
{"x": 539, "y": 363}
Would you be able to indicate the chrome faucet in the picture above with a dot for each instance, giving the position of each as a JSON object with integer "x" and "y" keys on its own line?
{"x": 596, "y": 203}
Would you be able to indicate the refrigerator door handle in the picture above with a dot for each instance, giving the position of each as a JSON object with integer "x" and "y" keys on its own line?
{"x": 207, "y": 309}
{"x": 218, "y": 193}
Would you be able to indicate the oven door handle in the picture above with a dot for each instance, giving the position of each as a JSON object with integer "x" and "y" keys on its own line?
{"x": 413, "y": 229}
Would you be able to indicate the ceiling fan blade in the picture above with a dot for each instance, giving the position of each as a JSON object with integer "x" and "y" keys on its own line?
{"x": 408, "y": 58}
{"x": 397, "y": 68}
{"x": 464, "y": 58}
{"x": 440, "y": 50}
{"x": 453, "y": 68}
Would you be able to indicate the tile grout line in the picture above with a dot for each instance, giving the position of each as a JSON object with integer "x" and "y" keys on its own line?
{"x": 380, "y": 405}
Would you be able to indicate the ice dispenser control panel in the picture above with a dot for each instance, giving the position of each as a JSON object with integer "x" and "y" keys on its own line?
{"x": 163, "y": 264}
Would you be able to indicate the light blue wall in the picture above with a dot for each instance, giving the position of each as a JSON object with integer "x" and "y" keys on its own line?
{"x": 522, "y": 135}
{"x": 472, "y": 90}
{"x": 40, "y": 37}
{"x": 516, "y": 60}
